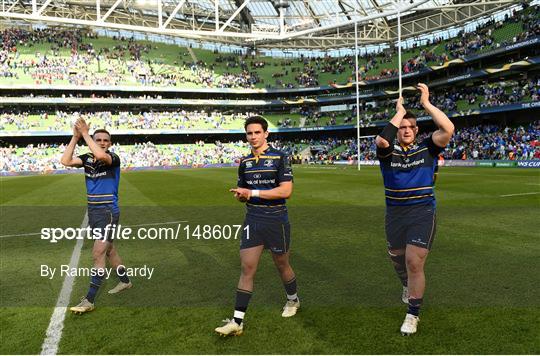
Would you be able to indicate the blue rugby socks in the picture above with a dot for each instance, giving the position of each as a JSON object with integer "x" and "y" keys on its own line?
{"x": 95, "y": 283}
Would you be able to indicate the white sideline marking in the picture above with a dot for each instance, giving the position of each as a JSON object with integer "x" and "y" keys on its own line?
{"x": 56, "y": 325}
{"x": 138, "y": 225}
{"x": 514, "y": 195}
{"x": 31, "y": 234}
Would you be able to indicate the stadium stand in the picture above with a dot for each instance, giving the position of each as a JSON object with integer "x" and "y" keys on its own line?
{"x": 57, "y": 56}
{"x": 479, "y": 142}
{"x": 476, "y": 142}
{"x": 455, "y": 99}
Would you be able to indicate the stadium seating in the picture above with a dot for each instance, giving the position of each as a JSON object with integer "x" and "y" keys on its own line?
{"x": 477, "y": 142}
{"x": 53, "y": 56}
{"x": 455, "y": 100}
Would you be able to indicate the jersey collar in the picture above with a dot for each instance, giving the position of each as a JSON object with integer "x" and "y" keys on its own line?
{"x": 408, "y": 147}
{"x": 261, "y": 154}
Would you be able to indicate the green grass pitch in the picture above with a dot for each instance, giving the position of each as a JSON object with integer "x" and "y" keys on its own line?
{"x": 482, "y": 295}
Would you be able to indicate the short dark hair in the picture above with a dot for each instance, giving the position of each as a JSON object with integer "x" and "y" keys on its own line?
{"x": 409, "y": 115}
{"x": 256, "y": 119}
{"x": 102, "y": 131}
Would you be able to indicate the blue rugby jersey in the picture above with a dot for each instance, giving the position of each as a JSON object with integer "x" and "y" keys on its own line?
{"x": 102, "y": 181}
{"x": 263, "y": 172}
{"x": 409, "y": 173}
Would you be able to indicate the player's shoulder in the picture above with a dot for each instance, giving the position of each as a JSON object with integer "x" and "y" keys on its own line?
{"x": 429, "y": 144}
{"x": 246, "y": 157}
{"x": 426, "y": 141}
{"x": 275, "y": 152}
{"x": 114, "y": 155}
{"x": 87, "y": 157}
{"x": 115, "y": 159}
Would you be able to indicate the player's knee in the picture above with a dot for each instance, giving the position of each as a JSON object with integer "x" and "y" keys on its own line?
{"x": 415, "y": 265}
{"x": 248, "y": 270}
{"x": 98, "y": 255}
{"x": 282, "y": 264}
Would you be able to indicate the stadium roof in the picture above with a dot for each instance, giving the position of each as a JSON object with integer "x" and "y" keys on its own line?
{"x": 321, "y": 24}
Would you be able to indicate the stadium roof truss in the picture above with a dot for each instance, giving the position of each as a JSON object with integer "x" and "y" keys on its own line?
{"x": 308, "y": 24}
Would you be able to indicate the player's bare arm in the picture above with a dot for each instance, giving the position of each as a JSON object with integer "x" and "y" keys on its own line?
{"x": 442, "y": 136}
{"x": 67, "y": 157}
{"x": 382, "y": 142}
{"x": 284, "y": 191}
{"x": 97, "y": 147}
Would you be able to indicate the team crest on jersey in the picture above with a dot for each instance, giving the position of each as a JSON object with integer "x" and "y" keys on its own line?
{"x": 269, "y": 163}
{"x": 249, "y": 164}
{"x": 89, "y": 160}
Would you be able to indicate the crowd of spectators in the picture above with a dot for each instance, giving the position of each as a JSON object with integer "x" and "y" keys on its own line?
{"x": 483, "y": 39}
{"x": 465, "y": 43}
{"x": 470, "y": 97}
{"x": 495, "y": 142}
{"x": 482, "y": 142}
{"x": 335, "y": 149}
{"x": 470, "y": 143}
{"x": 130, "y": 62}
{"x": 486, "y": 95}
{"x": 173, "y": 120}
{"x": 126, "y": 63}
{"x": 44, "y": 157}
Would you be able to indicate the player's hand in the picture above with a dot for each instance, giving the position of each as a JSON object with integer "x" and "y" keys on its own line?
{"x": 400, "y": 109}
{"x": 424, "y": 94}
{"x": 241, "y": 194}
{"x": 76, "y": 132}
{"x": 82, "y": 126}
